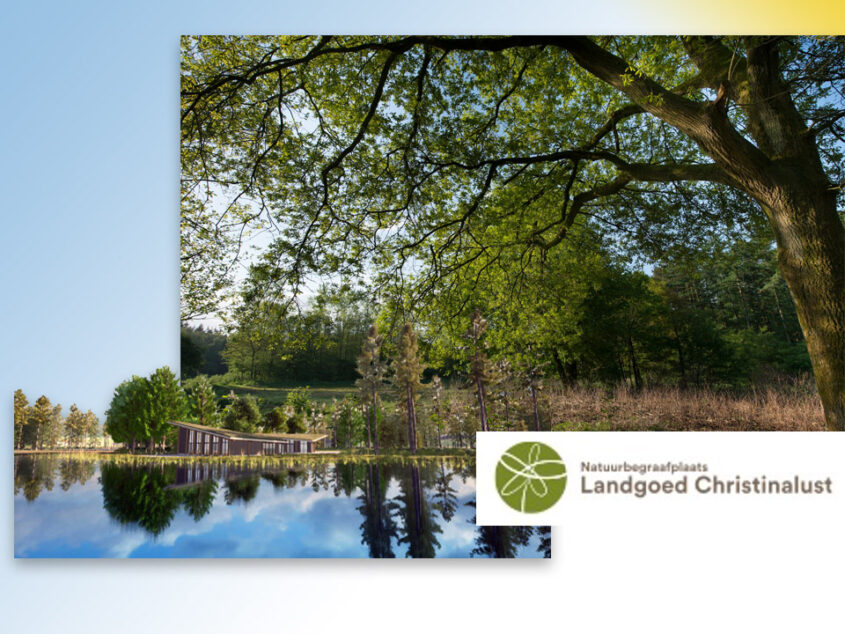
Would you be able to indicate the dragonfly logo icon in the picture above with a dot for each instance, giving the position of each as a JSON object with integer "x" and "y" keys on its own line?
{"x": 530, "y": 477}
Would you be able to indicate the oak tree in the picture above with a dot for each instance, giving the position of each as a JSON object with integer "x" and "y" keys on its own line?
{"x": 408, "y": 153}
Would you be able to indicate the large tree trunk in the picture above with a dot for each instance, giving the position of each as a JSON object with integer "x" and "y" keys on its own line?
{"x": 811, "y": 258}
{"x": 781, "y": 169}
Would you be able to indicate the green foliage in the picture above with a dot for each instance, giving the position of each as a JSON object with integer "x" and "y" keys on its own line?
{"x": 372, "y": 371}
{"x": 126, "y": 418}
{"x": 300, "y": 400}
{"x": 601, "y": 239}
{"x": 202, "y": 352}
{"x": 92, "y": 426}
{"x": 350, "y": 423}
{"x": 268, "y": 341}
{"x": 39, "y": 419}
{"x": 392, "y": 428}
{"x": 407, "y": 370}
{"x": 275, "y": 420}
{"x": 166, "y": 402}
{"x": 51, "y": 432}
{"x": 296, "y": 423}
{"x": 407, "y": 366}
{"x": 242, "y": 413}
{"x": 20, "y": 417}
{"x": 76, "y": 427}
{"x": 41, "y": 426}
{"x": 756, "y": 356}
{"x": 202, "y": 401}
{"x": 141, "y": 409}
{"x": 621, "y": 321}
{"x": 190, "y": 355}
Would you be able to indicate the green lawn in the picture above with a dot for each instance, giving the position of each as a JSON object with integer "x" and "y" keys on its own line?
{"x": 270, "y": 397}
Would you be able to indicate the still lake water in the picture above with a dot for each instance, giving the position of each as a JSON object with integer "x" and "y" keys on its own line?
{"x": 105, "y": 507}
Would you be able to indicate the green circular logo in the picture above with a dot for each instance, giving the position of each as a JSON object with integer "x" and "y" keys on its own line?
{"x": 530, "y": 477}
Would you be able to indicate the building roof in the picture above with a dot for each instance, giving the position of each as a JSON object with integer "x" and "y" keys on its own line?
{"x": 242, "y": 435}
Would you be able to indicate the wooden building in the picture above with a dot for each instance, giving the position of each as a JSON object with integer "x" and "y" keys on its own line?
{"x": 199, "y": 440}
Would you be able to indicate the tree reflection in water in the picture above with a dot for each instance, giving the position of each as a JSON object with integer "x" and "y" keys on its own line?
{"x": 32, "y": 476}
{"x": 139, "y": 495}
{"x": 445, "y": 500}
{"x": 198, "y": 499}
{"x": 505, "y": 541}
{"x": 545, "y": 547}
{"x": 241, "y": 489}
{"x": 378, "y": 527}
{"x": 403, "y": 505}
{"x": 417, "y": 518}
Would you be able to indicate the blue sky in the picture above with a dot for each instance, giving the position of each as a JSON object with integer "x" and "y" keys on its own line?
{"x": 90, "y": 174}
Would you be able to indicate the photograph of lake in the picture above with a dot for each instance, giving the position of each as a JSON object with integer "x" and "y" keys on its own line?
{"x": 73, "y": 505}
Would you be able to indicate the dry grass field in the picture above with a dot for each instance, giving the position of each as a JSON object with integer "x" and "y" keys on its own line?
{"x": 793, "y": 407}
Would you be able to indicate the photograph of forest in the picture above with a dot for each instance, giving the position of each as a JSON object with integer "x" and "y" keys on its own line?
{"x": 438, "y": 235}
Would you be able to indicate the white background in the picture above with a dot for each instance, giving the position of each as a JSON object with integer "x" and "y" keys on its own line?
{"x": 777, "y": 456}
{"x": 698, "y": 563}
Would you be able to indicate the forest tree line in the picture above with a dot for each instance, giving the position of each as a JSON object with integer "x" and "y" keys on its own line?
{"x": 41, "y": 426}
{"x": 275, "y": 342}
{"x": 719, "y": 317}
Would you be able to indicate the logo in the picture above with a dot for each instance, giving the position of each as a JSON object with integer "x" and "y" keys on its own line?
{"x": 530, "y": 477}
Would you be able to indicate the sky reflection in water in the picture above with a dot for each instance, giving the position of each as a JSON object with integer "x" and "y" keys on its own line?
{"x": 67, "y": 507}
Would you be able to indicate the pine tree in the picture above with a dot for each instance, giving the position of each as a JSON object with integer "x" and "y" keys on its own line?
{"x": 479, "y": 370}
{"x": 349, "y": 422}
{"x": 502, "y": 378}
{"x": 372, "y": 370}
{"x": 408, "y": 370}
{"x": 52, "y": 432}
{"x": 437, "y": 407}
{"x": 21, "y": 410}
{"x": 75, "y": 426}
{"x": 38, "y": 420}
{"x": 531, "y": 374}
{"x": 92, "y": 427}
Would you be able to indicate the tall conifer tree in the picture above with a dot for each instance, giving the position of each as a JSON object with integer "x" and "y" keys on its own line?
{"x": 21, "y": 403}
{"x": 479, "y": 370}
{"x": 372, "y": 370}
{"x": 407, "y": 380}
